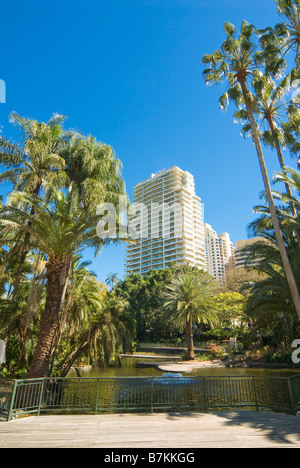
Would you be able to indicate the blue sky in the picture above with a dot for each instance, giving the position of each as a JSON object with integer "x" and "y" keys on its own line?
{"x": 128, "y": 72}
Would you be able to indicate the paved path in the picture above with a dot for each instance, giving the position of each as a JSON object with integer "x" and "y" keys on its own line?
{"x": 232, "y": 429}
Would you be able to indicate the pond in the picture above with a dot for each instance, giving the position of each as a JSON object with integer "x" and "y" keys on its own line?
{"x": 130, "y": 367}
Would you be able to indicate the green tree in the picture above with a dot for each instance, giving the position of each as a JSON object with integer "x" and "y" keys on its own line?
{"x": 235, "y": 62}
{"x": 144, "y": 296}
{"x": 237, "y": 278}
{"x": 60, "y": 229}
{"x": 189, "y": 301}
{"x": 230, "y": 307}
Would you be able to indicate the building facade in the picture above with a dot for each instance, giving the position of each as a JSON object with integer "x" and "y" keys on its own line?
{"x": 166, "y": 223}
{"x": 220, "y": 254}
{"x": 242, "y": 257}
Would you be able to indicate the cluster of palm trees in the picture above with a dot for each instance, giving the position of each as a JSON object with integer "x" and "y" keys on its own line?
{"x": 261, "y": 69}
{"x": 270, "y": 299}
{"x": 49, "y": 298}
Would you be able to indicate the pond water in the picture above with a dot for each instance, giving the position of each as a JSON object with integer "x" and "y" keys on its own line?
{"x": 129, "y": 367}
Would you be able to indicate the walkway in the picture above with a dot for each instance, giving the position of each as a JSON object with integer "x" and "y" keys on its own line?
{"x": 228, "y": 429}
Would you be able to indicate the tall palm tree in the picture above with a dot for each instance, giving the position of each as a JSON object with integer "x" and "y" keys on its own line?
{"x": 235, "y": 63}
{"x": 273, "y": 110}
{"x": 32, "y": 164}
{"x": 276, "y": 44}
{"x": 60, "y": 229}
{"x": 188, "y": 301}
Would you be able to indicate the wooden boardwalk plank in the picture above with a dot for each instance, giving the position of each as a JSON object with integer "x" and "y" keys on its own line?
{"x": 236, "y": 429}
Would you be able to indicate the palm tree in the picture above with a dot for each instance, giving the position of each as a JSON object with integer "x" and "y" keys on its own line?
{"x": 270, "y": 303}
{"x": 95, "y": 169}
{"x": 116, "y": 328}
{"x": 235, "y": 63}
{"x": 273, "y": 110}
{"x": 291, "y": 177}
{"x": 60, "y": 229}
{"x": 112, "y": 279}
{"x": 187, "y": 301}
{"x": 108, "y": 332}
{"x": 82, "y": 308}
{"x": 37, "y": 160}
{"x": 277, "y": 42}
{"x": 29, "y": 166}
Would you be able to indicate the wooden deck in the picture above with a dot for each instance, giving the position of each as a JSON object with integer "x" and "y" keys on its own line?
{"x": 232, "y": 429}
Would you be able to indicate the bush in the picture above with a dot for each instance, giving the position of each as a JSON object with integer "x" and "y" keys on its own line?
{"x": 278, "y": 357}
{"x": 215, "y": 351}
{"x": 3, "y": 372}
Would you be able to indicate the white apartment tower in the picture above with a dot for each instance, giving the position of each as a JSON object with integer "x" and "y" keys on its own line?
{"x": 166, "y": 223}
{"x": 220, "y": 254}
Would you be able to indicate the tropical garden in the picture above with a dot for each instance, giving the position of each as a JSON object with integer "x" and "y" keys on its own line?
{"x": 55, "y": 312}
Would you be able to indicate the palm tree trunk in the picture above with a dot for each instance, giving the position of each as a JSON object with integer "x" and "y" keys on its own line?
{"x": 57, "y": 278}
{"x": 26, "y": 247}
{"x": 282, "y": 166}
{"x": 279, "y": 238}
{"x": 189, "y": 341}
{"x": 24, "y": 252}
{"x": 76, "y": 354}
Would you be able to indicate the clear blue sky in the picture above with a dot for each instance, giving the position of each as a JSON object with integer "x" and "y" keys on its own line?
{"x": 128, "y": 72}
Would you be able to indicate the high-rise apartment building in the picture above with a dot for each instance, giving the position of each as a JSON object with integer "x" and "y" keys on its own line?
{"x": 220, "y": 254}
{"x": 166, "y": 222}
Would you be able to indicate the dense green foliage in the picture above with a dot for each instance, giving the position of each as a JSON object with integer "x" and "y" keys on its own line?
{"x": 58, "y": 179}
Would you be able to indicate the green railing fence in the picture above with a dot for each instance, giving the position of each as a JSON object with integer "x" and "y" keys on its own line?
{"x": 148, "y": 394}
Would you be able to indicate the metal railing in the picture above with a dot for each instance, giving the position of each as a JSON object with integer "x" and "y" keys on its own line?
{"x": 148, "y": 394}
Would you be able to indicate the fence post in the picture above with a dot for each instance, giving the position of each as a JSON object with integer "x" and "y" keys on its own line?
{"x": 204, "y": 394}
{"x": 97, "y": 393}
{"x": 293, "y": 406}
{"x": 151, "y": 400}
{"x": 255, "y": 394}
{"x": 41, "y": 396}
{"x": 11, "y": 407}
